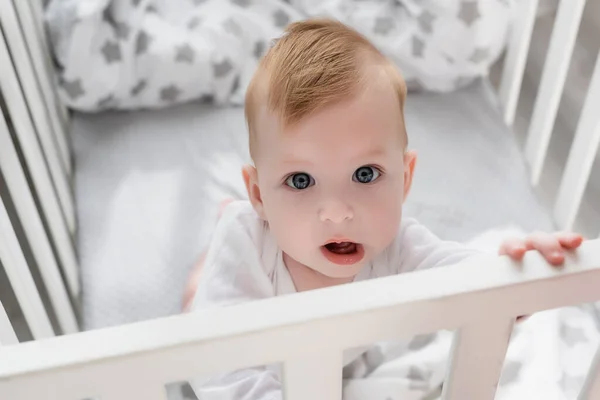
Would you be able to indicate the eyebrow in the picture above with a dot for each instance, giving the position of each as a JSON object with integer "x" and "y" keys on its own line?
{"x": 371, "y": 153}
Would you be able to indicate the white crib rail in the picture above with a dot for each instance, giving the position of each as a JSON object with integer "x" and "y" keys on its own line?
{"x": 581, "y": 157}
{"x": 20, "y": 278}
{"x": 35, "y": 162}
{"x": 42, "y": 72}
{"x": 552, "y": 83}
{"x": 516, "y": 57}
{"x": 7, "y": 333}
{"x": 308, "y": 332}
{"x": 33, "y": 227}
{"x": 587, "y": 138}
{"x": 35, "y": 115}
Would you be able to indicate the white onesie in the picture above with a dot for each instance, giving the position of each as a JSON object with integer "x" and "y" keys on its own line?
{"x": 244, "y": 263}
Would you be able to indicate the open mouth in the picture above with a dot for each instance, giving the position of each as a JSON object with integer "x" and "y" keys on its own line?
{"x": 343, "y": 253}
{"x": 341, "y": 248}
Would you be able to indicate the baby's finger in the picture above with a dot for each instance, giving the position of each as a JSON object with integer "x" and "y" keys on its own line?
{"x": 569, "y": 240}
{"x": 548, "y": 245}
{"x": 514, "y": 248}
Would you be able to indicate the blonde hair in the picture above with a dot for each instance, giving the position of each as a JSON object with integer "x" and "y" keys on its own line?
{"x": 316, "y": 63}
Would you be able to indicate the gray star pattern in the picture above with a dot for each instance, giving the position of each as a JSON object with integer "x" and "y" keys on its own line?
{"x": 259, "y": 49}
{"x": 194, "y": 23}
{"x": 111, "y": 52}
{"x": 418, "y": 379}
{"x": 122, "y": 30}
{"x": 73, "y": 88}
{"x": 418, "y": 47}
{"x": 510, "y": 372}
{"x": 241, "y": 3}
{"x": 420, "y": 341}
{"x": 479, "y": 54}
{"x": 572, "y": 335}
{"x": 107, "y": 102}
{"x": 232, "y": 27}
{"x": 571, "y": 383}
{"x": 139, "y": 87}
{"x": 222, "y": 68}
{"x": 469, "y": 12}
{"x": 185, "y": 54}
{"x": 426, "y": 21}
{"x": 384, "y": 25}
{"x": 142, "y": 43}
{"x": 170, "y": 93}
{"x": 280, "y": 18}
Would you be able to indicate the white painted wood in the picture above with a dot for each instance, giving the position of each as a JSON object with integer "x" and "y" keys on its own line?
{"x": 478, "y": 352}
{"x": 314, "y": 376}
{"x": 138, "y": 389}
{"x": 38, "y": 118}
{"x": 7, "y": 333}
{"x": 33, "y": 35}
{"x": 41, "y": 178}
{"x": 581, "y": 157}
{"x": 34, "y": 230}
{"x": 591, "y": 387}
{"x": 38, "y": 16}
{"x": 168, "y": 349}
{"x": 552, "y": 84}
{"x": 21, "y": 280}
{"x": 516, "y": 58}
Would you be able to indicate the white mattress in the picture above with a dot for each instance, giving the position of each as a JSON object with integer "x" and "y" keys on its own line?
{"x": 148, "y": 185}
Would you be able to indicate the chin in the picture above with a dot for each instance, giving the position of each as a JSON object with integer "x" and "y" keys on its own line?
{"x": 342, "y": 271}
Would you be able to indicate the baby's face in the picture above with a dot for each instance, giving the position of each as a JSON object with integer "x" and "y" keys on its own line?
{"x": 332, "y": 186}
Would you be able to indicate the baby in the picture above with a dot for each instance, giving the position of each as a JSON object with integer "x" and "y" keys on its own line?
{"x": 331, "y": 172}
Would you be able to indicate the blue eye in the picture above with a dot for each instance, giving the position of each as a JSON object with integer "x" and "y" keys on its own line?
{"x": 366, "y": 174}
{"x": 300, "y": 181}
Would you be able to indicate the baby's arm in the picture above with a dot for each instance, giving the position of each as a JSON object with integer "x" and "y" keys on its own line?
{"x": 232, "y": 274}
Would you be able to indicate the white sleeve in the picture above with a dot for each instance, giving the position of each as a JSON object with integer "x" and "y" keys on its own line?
{"x": 233, "y": 273}
{"x": 418, "y": 248}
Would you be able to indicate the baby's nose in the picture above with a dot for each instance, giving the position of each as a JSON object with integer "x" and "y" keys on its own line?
{"x": 336, "y": 212}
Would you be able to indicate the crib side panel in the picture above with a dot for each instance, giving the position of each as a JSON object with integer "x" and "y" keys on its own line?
{"x": 480, "y": 346}
{"x": 42, "y": 182}
{"x": 552, "y": 83}
{"x": 581, "y": 156}
{"x": 296, "y": 329}
{"x": 516, "y": 58}
{"x": 7, "y": 333}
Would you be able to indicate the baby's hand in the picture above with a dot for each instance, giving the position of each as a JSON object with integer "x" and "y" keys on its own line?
{"x": 552, "y": 246}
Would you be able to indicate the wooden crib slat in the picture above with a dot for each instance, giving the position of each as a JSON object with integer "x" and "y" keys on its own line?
{"x": 41, "y": 177}
{"x": 313, "y": 376}
{"x": 7, "y": 333}
{"x": 581, "y": 156}
{"x": 516, "y": 57}
{"x": 168, "y": 350}
{"x": 552, "y": 83}
{"x": 591, "y": 387}
{"x": 137, "y": 389}
{"x": 33, "y": 34}
{"x": 19, "y": 276}
{"x": 28, "y": 109}
{"x": 478, "y": 352}
{"x": 29, "y": 216}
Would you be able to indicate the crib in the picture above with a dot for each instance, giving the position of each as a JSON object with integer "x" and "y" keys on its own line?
{"x": 38, "y": 223}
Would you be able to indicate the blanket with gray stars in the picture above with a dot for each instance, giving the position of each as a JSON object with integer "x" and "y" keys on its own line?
{"x": 133, "y": 54}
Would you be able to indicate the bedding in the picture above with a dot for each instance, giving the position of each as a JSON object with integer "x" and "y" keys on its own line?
{"x": 131, "y": 54}
{"x": 148, "y": 185}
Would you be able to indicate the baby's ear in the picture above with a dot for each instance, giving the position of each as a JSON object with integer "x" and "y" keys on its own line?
{"x": 410, "y": 160}
{"x": 251, "y": 180}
